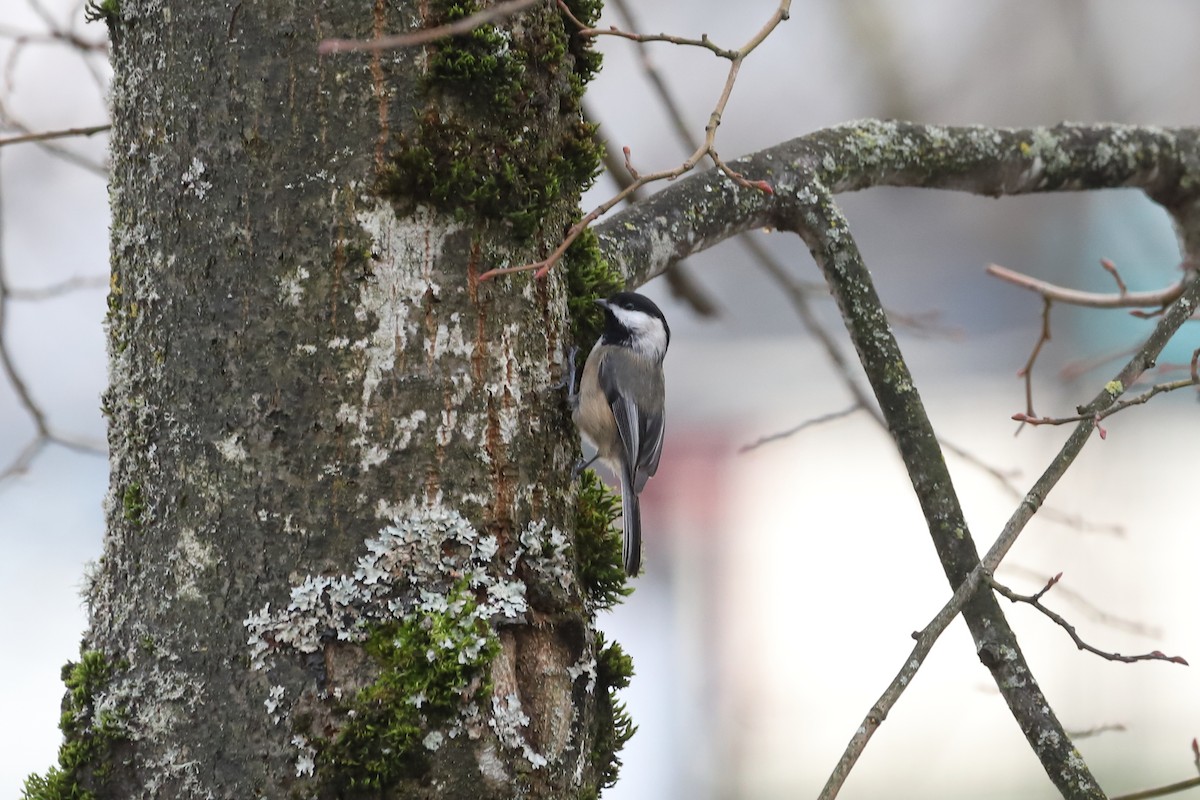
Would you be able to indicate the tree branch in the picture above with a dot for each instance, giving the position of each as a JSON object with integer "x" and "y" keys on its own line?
{"x": 45, "y": 136}
{"x": 817, "y": 219}
{"x": 1035, "y": 600}
{"x": 1122, "y": 299}
{"x": 706, "y": 149}
{"x": 806, "y": 172}
{"x": 705, "y": 209}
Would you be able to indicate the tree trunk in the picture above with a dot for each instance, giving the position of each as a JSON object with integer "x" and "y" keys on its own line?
{"x": 341, "y": 555}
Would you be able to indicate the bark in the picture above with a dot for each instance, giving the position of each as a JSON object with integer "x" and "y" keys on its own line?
{"x": 339, "y": 558}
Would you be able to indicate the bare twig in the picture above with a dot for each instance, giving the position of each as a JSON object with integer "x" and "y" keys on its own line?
{"x": 1089, "y": 608}
{"x": 51, "y": 145}
{"x": 683, "y": 133}
{"x": 1026, "y": 371}
{"x": 1098, "y": 730}
{"x": 58, "y": 289}
{"x": 643, "y": 38}
{"x": 707, "y": 149}
{"x": 413, "y": 38}
{"x": 1161, "y": 791}
{"x": 1124, "y": 299}
{"x": 809, "y": 423}
{"x": 1111, "y": 269}
{"x": 1035, "y": 600}
{"x": 43, "y": 434}
{"x": 1158, "y": 388}
{"x": 682, "y": 284}
{"x": 45, "y": 136}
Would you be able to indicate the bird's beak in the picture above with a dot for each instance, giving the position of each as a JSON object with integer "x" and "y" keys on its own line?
{"x": 601, "y": 303}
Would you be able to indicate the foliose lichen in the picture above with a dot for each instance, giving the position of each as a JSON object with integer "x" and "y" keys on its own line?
{"x": 423, "y": 603}
{"x": 429, "y": 667}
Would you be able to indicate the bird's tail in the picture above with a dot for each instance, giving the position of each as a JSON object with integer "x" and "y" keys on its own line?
{"x": 631, "y": 513}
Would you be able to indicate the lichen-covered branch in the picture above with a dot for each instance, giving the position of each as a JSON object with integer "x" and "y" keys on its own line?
{"x": 806, "y": 173}
{"x": 821, "y": 224}
{"x": 1145, "y": 355}
{"x": 706, "y": 208}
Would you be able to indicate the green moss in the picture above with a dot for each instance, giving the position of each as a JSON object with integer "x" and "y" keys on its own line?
{"x": 133, "y": 503}
{"x": 587, "y": 60}
{"x": 478, "y": 64}
{"x": 107, "y": 10}
{"x": 598, "y": 543}
{"x": 501, "y": 136}
{"x": 429, "y": 666}
{"x": 614, "y": 727}
{"x": 589, "y": 278}
{"x": 91, "y": 739}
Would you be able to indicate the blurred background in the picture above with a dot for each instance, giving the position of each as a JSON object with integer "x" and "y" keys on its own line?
{"x": 782, "y": 584}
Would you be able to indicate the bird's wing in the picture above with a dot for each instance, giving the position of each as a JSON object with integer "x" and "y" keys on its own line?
{"x": 641, "y": 433}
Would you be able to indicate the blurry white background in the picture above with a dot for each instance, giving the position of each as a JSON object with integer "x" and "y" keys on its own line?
{"x": 781, "y": 585}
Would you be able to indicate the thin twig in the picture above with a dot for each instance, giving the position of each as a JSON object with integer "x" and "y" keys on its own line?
{"x": 45, "y": 136}
{"x": 1125, "y": 299}
{"x": 682, "y": 284}
{"x": 1158, "y": 388}
{"x": 1026, "y": 371}
{"x": 642, "y": 38}
{"x": 1111, "y": 269}
{"x": 1094, "y": 612}
{"x": 1098, "y": 730}
{"x": 1161, "y": 791}
{"x": 707, "y": 149}
{"x": 1035, "y": 600}
{"x": 51, "y": 146}
{"x": 809, "y": 423}
{"x": 79, "y": 282}
{"x": 43, "y": 434}
{"x": 425, "y": 35}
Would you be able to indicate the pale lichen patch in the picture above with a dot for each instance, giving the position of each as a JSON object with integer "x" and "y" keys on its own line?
{"x": 291, "y": 287}
{"x": 406, "y": 251}
{"x": 188, "y": 560}
{"x": 231, "y": 448}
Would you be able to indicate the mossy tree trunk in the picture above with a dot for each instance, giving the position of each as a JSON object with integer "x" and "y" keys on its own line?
{"x": 341, "y": 557}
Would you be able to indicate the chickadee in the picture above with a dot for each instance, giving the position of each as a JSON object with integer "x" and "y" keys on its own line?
{"x": 619, "y": 408}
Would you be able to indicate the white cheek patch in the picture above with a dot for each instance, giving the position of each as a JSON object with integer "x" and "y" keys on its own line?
{"x": 649, "y": 336}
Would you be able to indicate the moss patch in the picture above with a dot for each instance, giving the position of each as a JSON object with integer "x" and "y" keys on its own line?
{"x": 132, "y": 503}
{"x": 430, "y": 666}
{"x": 614, "y": 727}
{"x": 107, "y": 10}
{"x": 502, "y": 135}
{"x": 598, "y": 543}
{"x": 589, "y": 278}
{"x": 91, "y": 738}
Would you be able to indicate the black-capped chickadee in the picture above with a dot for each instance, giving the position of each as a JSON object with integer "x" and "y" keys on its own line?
{"x": 619, "y": 407}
